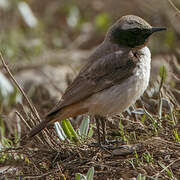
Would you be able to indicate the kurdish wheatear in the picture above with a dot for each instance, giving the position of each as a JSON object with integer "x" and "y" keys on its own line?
{"x": 115, "y": 76}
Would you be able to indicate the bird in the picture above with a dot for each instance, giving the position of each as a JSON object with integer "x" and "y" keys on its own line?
{"x": 116, "y": 74}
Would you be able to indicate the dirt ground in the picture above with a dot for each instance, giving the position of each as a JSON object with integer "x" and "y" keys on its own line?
{"x": 45, "y": 59}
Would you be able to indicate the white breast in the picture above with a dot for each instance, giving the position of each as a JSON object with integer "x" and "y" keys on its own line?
{"x": 118, "y": 98}
{"x": 142, "y": 72}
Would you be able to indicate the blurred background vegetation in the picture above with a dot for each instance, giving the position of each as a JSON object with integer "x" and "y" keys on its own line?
{"x": 46, "y": 42}
{"x": 62, "y": 33}
{"x": 30, "y": 28}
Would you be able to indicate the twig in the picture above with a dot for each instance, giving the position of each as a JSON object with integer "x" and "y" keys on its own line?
{"x": 22, "y": 119}
{"x": 174, "y": 7}
{"x": 39, "y": 176}
{"x": 25, "y": 122}
{"x": 33, "y": 109}
{"x": 156, "y": 175}
{"x": 160, "y": 94}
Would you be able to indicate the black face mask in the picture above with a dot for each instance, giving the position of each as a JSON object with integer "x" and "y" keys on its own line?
{"x": 132, "y": 37}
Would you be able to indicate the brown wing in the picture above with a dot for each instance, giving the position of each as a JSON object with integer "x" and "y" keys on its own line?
{"x": 101, "y": 74}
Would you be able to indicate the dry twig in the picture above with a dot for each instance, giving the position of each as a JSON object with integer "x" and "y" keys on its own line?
{"x": 164, "y": 169}
{"x": 33, "y": 109}
{"x": 174, "y": 7}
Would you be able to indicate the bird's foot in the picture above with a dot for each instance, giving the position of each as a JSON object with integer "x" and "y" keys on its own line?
{"x": 124, "y": 150}
{"x": 121, "y": 150}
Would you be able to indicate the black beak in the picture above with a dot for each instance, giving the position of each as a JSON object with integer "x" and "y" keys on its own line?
{"x": 156, "y": 29}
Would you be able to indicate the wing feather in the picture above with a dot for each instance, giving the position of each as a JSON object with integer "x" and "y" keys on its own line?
{"x": 94, "y": 77}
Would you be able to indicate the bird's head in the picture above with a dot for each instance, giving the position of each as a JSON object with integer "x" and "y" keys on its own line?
{"x": 131, "y": 31}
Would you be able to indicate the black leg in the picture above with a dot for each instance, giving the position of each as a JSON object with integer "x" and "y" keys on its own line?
{"x": 107, "y": 145}
{"x": 98, "y": 129}
{"x": 105, "y": 141}
{"x": 103, "y": 123}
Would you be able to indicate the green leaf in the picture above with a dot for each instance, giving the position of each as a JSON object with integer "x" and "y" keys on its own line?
{"x": 163, "y": 73}
{"x": 2, "y": 127}
{"x": 73, "y": 132}
{"x": 84, "y": 127}
{"x": 66, "y": 130}
{"x": 140, "y": 177}
{"x": 91, "y": 132}
{"x": 176, "y": 135}
{"x": 90, "y": 173}
{"x": 79, "y": 176}
{"x": 69, "y": 131}
{"x": 143, "y": 118}
{"x": 170, "y": 174}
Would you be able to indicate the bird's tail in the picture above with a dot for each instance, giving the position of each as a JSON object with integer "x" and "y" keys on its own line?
{"x": 49, "y": 119}
{"x": 43, "y": 124}
{"x": 58, "y": 115}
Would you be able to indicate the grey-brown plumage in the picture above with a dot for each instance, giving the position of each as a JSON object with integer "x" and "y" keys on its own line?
{"x": 116, "y": 74}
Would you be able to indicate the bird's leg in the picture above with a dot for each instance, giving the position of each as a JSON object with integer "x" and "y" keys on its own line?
{"x": 103, "y": 123}
{"x": 99, "y": 118}
{"x": 105, "y": 141}
{"x": 107, "y": 145}
{"x": 98, "y": 129}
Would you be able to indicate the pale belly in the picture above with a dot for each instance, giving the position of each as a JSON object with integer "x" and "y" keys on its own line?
{"x": 118, "y": 98}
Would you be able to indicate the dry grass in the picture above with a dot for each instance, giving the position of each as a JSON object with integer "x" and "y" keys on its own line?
{"x": 154, "y": 132}
{"x": 155, "y": 136}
